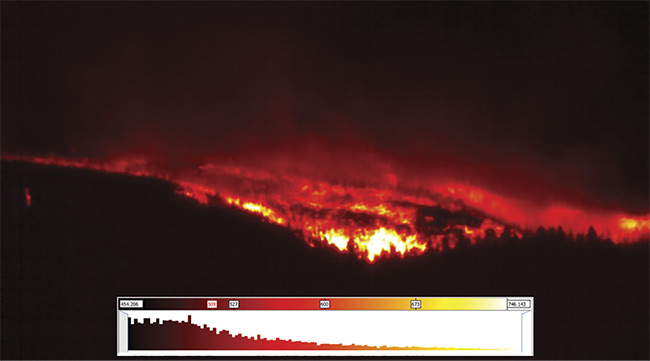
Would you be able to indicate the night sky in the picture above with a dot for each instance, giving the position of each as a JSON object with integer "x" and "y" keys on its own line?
{"x": 557, "y": 90}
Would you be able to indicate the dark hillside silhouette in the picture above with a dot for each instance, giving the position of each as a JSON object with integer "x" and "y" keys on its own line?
{"x": 89, "y": 237}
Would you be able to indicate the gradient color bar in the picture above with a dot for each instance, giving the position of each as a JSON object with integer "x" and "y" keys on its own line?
{"x": 335, "y": 303}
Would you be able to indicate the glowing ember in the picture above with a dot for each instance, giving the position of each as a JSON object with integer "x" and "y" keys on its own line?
{"x": 268, "y": 213}
{"x": 632, "y": 224}
{"x": 28, "y": 197}
{"x": 196, "y": 191}
{"x": 371, "y": 220}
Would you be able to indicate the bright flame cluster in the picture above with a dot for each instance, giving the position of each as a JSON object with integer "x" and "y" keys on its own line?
{"x": 369, "y": 221}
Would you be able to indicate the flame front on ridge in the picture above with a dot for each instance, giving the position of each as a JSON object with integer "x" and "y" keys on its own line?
{"x": 371, "y": 221}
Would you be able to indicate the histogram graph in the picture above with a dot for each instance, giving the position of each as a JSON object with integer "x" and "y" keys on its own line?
{"x": 334, "y": 326}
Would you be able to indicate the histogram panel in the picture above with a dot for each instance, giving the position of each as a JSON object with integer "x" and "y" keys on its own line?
{"x": 497, "y": 326}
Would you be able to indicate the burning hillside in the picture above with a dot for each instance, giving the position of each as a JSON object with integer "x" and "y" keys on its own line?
{"x": 381, "y": 214}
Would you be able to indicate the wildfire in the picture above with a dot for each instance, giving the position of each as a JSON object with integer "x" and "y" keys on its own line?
{"x": 633, "y": 225}
{"x": 28, "y": 197}
{"x": 370, "y": 220}
{"x": 266, "y": 212}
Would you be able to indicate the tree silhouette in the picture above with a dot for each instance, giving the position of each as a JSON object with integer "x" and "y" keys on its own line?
{"x": 592, "y": 236}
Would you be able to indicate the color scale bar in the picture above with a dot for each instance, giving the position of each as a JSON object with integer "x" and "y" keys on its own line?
{"x": 331, "y": 303}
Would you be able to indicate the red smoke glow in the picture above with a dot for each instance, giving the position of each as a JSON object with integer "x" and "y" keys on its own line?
{"x": 383, "y": 213}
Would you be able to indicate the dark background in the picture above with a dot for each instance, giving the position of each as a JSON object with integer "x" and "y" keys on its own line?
{"x": 556, "y": 90}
